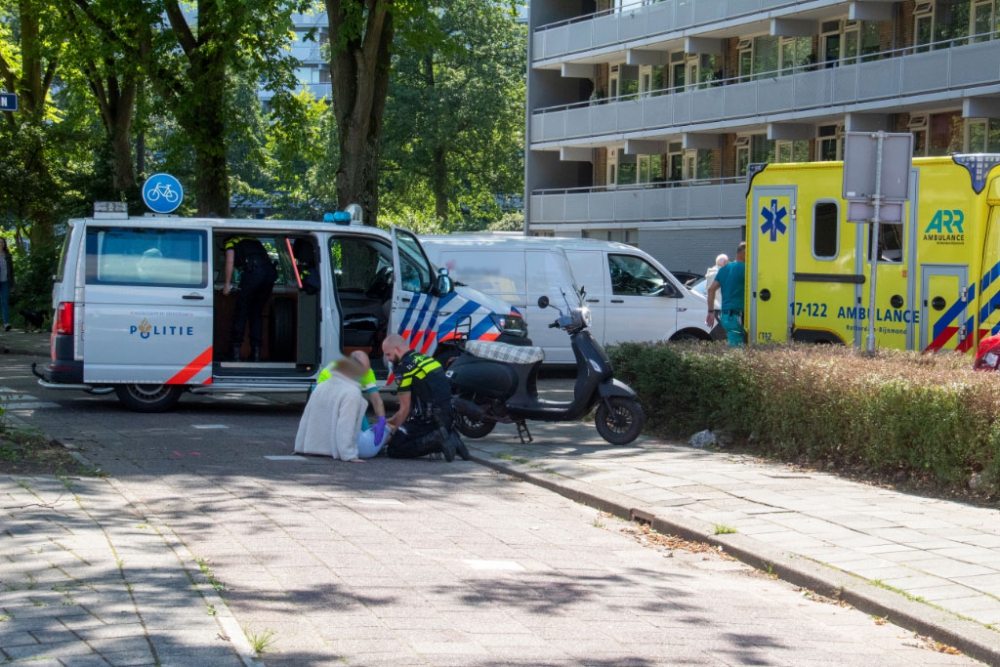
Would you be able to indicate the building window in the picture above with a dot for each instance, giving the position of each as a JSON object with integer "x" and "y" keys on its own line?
{"x": 826, "y": 230}
{"x": 951, "y": 21}
{"x": 745, "y": 59}
{"x": 650, "y": 168}
{"x": 627, "y": 168}
{"x": 982, "y": 135}
{"x": 984, "y": 25}
{"x": 791, "y": 151}
{"x": 829, "y": 143}
{"x": 675, "y": 162}
{"x": 794, "y": 52}
{"x": 765, "y": 54}
{"x": 742, "y": 155}
{"x": 923, "y": 25}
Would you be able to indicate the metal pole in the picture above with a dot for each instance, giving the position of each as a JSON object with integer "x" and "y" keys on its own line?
{"x": 874, "y": 246}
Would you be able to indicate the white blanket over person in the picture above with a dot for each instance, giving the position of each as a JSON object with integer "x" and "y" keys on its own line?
{"x": 332, "y": 419}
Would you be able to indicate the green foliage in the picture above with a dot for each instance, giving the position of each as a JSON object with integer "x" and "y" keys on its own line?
{"x": 930, "y": 416}
{"x": 454, "y": 124}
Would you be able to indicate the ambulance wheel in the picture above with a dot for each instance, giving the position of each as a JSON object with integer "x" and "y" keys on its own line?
{"x": 622, "y": 423}
{"x": 148, "y": 397}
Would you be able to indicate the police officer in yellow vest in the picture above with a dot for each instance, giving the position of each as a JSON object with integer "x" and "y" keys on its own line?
{"x": 424, "y": 423}
{"x": 257, "y": 276}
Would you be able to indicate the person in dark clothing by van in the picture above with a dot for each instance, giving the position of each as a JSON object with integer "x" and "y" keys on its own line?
{"x": 6, "y": 282}
{"x": 257, "y": 276}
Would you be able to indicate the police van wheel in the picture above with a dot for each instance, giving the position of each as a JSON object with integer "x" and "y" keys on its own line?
{"x": 148, "y": 397}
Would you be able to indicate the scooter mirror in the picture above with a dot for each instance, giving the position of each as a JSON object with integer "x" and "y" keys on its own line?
{"x": 543, "y": 302}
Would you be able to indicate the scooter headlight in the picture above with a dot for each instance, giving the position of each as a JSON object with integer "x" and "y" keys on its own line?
{"x": 511, "y": 324}
{"x": 588, "y": 318}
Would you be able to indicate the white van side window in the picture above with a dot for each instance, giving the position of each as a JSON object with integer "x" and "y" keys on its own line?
{"x": 157, "y": 257}
{"x": 634, "y": 276}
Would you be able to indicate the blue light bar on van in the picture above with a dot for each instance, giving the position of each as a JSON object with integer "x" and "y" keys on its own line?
{"x": 342, "y": 218}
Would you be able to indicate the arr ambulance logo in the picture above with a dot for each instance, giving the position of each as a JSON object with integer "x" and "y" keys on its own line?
{"x": 773, "y": 220}
{"x": 945, "y": 228}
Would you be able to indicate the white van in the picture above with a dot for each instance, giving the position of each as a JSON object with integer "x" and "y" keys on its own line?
{"x": 139, "y": 306}
{"x": 630, "y": 295}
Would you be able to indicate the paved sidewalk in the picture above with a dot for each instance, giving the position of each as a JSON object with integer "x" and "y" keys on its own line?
{"x": 83, "y": 581}
{"x": 19, "y": 341}
{"x": 945, "y": 553}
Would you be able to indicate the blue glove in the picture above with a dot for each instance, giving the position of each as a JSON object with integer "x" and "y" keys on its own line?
{"x": 379, "y": 430}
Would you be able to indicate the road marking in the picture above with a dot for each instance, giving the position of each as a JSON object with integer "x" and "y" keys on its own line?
{"x": 378, "y": 501}
{"x": 208, "y": 426}
{"x": 300, "y": 459}
{"x": 505, "y": 565}
{"x": 31, "y": 405}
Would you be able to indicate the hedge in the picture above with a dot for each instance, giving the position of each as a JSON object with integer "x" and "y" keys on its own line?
{"x": 926, "y": 415}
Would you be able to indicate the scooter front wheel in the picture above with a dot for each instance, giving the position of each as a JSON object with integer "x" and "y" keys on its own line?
{"x": 471, "y": 428}
{"x": 622, "y": 423}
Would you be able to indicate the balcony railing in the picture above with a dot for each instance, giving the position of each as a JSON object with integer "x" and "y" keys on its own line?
{"x": 950, "y": 65}
{"x": 703, "y": 199}
{"x": 621, "y": 24}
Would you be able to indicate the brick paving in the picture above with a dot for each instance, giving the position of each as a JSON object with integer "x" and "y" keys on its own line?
{"x": 382, "y": 563}
{"x": 946, "y": 553}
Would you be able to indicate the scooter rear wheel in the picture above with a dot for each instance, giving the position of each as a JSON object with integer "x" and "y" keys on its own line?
{"x": 622, "y": 423}
{"x": 473, "y": 429}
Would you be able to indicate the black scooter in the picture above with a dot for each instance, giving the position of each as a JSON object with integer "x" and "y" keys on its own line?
{"x": 497, "y": 383}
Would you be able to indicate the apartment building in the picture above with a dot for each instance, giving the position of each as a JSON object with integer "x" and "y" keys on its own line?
{"x": 643, "y": 117}
{"x": 309, "y": 46}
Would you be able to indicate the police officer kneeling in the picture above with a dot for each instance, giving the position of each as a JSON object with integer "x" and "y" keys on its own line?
{"x": 424, "y": 423}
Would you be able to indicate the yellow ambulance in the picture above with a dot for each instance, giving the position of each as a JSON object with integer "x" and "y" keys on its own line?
{"x": 938, "y": 272}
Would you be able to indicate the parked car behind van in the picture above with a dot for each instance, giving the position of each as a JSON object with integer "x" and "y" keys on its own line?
{"x": 631, "y": 296}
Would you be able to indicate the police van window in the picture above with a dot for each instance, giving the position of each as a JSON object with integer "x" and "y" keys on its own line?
{"x": 160, "y": 257}
{"x": 890, "y": 245}
{"x": 634, "y": 276}
{"x": 361, "y": 266}
{"x": 826, "y": 223}
{"x": 415, "y": 269}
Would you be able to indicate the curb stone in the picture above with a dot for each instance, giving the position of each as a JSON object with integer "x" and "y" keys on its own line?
{"x": 970, "y": 637}
{"x": 229, "y": 626}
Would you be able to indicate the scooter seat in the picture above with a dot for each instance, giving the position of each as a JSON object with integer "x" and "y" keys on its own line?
{"x": 502, "y": 352}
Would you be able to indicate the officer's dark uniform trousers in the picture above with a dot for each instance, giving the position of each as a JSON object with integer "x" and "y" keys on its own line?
{"x": 431, "y": 419}
{"x": 256, "y": 284}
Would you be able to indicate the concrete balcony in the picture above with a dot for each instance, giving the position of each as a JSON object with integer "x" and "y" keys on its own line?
{"x": 895, "y": 77}
{"x": 616, "y": 26}
{"x": 680, "y": 201}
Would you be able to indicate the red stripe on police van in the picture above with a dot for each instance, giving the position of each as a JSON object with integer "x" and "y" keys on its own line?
{"x": 192, "y": 369}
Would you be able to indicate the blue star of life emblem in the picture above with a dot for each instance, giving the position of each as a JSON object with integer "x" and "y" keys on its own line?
{"x": 773, "y": 217}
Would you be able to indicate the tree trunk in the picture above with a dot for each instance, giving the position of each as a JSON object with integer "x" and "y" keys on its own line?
{"x": 360, "y": 73}
{"x": 121, "y": 150}
{"x": 32, "y": 92}
{"x": 204, "y": 122}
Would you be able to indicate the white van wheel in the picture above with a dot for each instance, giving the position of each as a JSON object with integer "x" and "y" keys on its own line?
{"x": 148, "y": 397}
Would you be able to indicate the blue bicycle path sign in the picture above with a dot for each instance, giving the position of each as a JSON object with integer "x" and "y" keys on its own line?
{"x": 162, "y": 193}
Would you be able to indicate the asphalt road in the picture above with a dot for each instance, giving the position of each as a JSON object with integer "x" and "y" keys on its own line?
{"x": 429, "y": 563}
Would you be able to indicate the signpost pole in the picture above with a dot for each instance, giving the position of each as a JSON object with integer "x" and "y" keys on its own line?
{"x": 874, "y": 245}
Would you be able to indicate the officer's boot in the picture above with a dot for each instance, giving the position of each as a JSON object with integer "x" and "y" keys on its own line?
{"x": 438, "y": 441}
{"x": 235, "y": 353}
{"x": 255, "y": 353}
{"x": 460, "y": 447}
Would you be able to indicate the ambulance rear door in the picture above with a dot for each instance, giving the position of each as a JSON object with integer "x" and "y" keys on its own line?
{"x": 148, "y": 304}
{"x": 772, "y": 263}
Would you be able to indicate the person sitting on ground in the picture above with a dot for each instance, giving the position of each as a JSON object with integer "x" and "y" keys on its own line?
{"x": 372, "y": 438}
{"x": 424, "y": 423}
{"x": 331, "y": 421}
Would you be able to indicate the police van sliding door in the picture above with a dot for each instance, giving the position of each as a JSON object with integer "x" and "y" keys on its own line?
{"x": 148, "y": 306}
{"x": 772, "y": 263}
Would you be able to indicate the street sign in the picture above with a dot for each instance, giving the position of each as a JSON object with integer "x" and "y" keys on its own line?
{"x": 8, "y": 101}
{"x": 860, "y": 167}
{"x": 876, "y": 186}
{"x": 162, "y": 193}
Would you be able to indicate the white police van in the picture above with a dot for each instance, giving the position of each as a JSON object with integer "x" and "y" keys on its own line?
{"x": 140, "y": 309}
